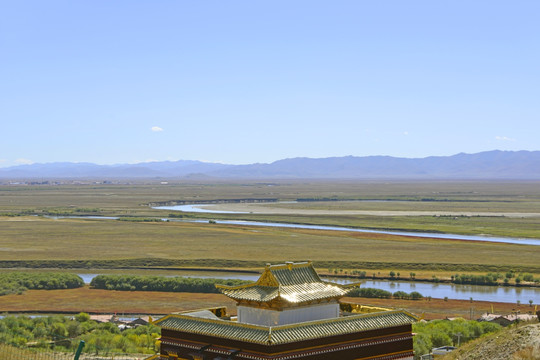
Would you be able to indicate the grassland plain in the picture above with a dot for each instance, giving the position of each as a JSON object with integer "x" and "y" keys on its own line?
{"x": 90, "y": 300}
{"x": 505, "y": 226}
{"x": 35, "y": 240}
{"x": 511, "y": 198}
{"x": 134, "y": 196}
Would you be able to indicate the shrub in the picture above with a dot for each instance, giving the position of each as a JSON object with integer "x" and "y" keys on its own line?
{"x": 442, "y": 332}
{"x": 18, "y": 282}
{"x": 161, "y": 283}
{"x": 489, "y": 279}
{"x": 400, "y": 295}
{"x": 370, "y": 293}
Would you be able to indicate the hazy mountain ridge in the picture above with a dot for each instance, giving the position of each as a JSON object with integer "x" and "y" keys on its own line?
{"x": 520, "y": 165}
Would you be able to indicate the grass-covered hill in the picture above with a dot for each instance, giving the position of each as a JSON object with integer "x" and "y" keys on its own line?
{"x": 517, "y": 342}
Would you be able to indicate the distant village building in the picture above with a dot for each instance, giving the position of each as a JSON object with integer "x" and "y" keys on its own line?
{"x": 139, "y": 322}
{"x": 505, "y": 320}
{"x": 289, "y": 313}
{"x": 103, "y": 318}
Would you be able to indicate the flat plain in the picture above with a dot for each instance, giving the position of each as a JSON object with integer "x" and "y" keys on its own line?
{"x": 97, "y": 301}
{"x": 28, "y": 237}
{"x": 44, "y": 226}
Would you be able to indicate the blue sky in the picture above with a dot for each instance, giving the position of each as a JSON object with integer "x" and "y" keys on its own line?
{"x": 238, "y": 82}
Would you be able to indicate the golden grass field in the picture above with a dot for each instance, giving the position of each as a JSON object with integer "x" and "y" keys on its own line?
{"x": 40, "y": 239}
{"x": 33, "y": 241}
{"x": 151, "y": 302}
{"x": 35, "y": 238}
{"x": 109, "y": 302}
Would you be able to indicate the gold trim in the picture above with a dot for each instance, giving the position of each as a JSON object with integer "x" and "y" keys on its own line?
{"x": 288, "y": 326}
{"x": 357, "y": 341}
{"x": 374, "y": 338}
{"x": 269, "y": 280}
{"x": 362, "y": 340}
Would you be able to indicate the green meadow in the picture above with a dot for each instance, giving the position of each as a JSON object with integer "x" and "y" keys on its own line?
{"x": 29, "y": 239}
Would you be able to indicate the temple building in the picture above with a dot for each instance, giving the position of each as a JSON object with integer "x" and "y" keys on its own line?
{"x": 289, "y": 313}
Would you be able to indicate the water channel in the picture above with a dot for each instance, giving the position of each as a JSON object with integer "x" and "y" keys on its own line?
{"x": 199, "y": 208}
{"x": 435, "y": 290}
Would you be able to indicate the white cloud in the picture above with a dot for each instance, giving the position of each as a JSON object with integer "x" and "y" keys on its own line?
{"x": 504, "y": 138}
{"x": 405, "y": 133}
{"x": 24, "y": 161}
{"x": 156, "y": 129}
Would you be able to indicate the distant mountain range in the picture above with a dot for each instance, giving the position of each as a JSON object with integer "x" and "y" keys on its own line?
{"x": 519, "y": 165}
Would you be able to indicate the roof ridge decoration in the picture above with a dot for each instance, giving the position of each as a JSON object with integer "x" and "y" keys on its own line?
{"x": 292, "y": 283}
{"x": 271, "y": 335}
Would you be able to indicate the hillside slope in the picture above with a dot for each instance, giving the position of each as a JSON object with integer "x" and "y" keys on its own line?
{"x": 513, "y": 343}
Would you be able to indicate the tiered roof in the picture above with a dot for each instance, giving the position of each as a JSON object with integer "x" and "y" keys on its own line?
{"x": 283, "y": 334}
{"x": 292, "y": 283}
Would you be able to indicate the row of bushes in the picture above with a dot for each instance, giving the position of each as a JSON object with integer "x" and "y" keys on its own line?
{"x": 18, "y": 282}
{"x": 161, "y": 283}
{"x": 489, "y": 279}
{"x": 473, "y": 279}
{"x": 493, "y": 278}
{"x": 54, "y": 212}
{"x": 140, "y": 263}
{"x": 139, "y": 219}
{"x": 383, "y": 294}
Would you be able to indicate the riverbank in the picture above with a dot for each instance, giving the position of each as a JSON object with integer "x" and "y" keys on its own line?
{"x": 429, "y": 288}
{"x": 86, "y": 243}
{"x": 337, "y": 274}
{"x": 73, "y": 301}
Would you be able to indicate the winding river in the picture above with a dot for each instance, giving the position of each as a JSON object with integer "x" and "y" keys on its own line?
{"x": 203, "y": 208}
{"x": 507, "y": 294}
{"x": 435, "y": 290}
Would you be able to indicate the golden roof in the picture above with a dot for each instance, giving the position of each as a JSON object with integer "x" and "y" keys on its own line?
{"x": 282, "y": 334}
{"x": 292, "y": 283}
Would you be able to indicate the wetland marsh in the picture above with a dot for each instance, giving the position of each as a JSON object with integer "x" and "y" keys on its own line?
{"x": 141, "y": 240}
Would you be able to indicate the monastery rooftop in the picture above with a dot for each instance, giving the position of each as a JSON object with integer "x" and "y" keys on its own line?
{"x": 274, "y": 335}
{"x": 289, "y": 283}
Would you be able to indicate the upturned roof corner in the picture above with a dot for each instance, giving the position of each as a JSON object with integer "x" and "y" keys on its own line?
{"x": 291, "y": 282}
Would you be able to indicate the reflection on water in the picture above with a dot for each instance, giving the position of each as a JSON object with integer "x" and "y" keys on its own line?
{"x": 435, "y": 290}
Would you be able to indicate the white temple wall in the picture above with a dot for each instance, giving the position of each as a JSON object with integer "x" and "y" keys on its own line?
{"x": 267, "y": 317}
